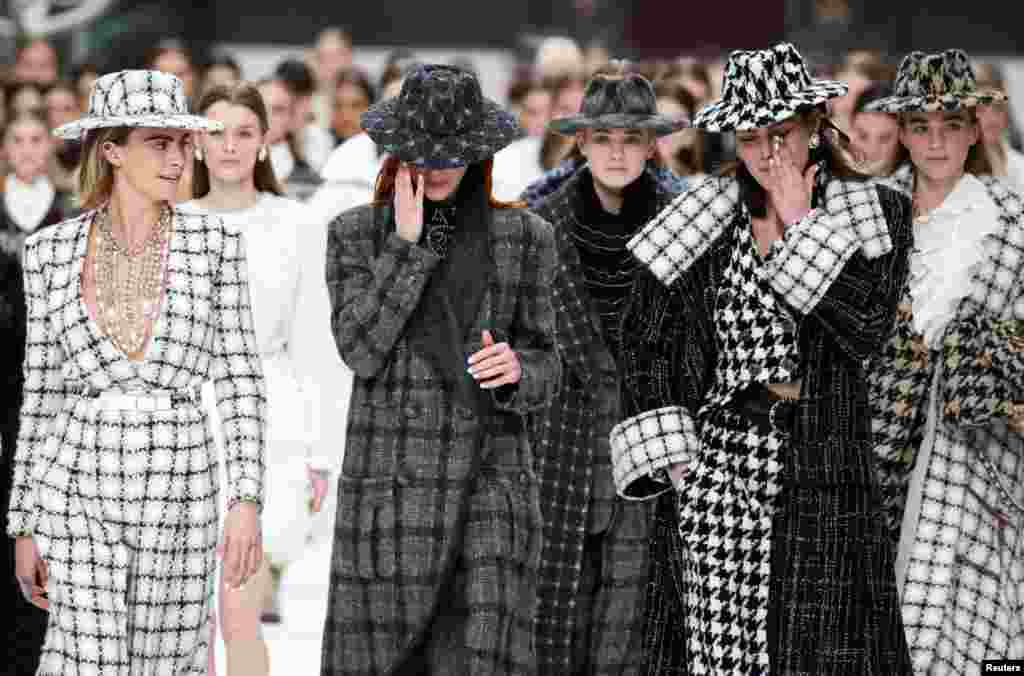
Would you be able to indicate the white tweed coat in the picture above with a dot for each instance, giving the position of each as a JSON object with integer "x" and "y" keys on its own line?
{"x": 123, "y": 504}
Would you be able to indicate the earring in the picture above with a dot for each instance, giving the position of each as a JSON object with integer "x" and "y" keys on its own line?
{"x": 198, "y": 153}
{"x": 814, "y": 141}
{"x": 262, "y": 154}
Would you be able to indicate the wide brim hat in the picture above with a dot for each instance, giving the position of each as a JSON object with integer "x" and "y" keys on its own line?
{"x": 762, "y": 87}
{"x": 619, "y": 102}
{"x": 935, "y": 82}
{"x": 440, "y": 120}
{"x": 137, "y": 98}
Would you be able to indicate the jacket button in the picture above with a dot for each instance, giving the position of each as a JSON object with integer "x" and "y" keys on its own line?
{"x": 524, "y": 478}
{"x": 412, "y": 410}
{"x": 464, "y": 412}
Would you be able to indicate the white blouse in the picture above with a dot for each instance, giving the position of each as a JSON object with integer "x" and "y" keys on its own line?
{"x": 28, "y": 203}
{"x": 947, "y": 244}
{"x": 306, "y": 380}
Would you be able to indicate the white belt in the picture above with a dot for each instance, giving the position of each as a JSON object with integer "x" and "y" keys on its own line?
{"x": 139, "y": 401}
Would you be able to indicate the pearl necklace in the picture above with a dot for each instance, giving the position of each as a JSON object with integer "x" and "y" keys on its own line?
{"x": 129, "y": 283}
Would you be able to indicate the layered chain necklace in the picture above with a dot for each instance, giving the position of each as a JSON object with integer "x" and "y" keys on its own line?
{"x": 129, "y": 283}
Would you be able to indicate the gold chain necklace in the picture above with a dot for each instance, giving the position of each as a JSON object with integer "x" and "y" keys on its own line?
{"x": 129, "y": 283}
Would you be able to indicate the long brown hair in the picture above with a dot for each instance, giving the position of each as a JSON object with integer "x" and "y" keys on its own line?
{"x": 384, "y": 191}
{"x": 241, "y": 94}
{"x": 96, "y": 175}
{"x": 834, "y": 148}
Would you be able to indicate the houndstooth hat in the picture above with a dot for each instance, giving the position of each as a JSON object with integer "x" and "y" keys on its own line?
{"x": 136, "y": 98}
{"x": 934, "y": 82}
{"x": 440, "y": 120}
{"x": 626, "y": 102}
{"x": 762, "y": 87}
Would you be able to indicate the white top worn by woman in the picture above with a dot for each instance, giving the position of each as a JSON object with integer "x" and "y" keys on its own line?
{"x": 947, "y": 244}
{"x": 306, "y": 382}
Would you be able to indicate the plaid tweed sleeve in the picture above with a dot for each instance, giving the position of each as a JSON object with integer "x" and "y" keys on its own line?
{"x": 843, "y": 276}
{"x": 984, "y": 361}
{"x": 372, "y": 295}
{"x": 238, "y": 375}
{"x": 533, "y": 334}
{"x": 662, "y": 361}
{"x": 43, "y": 390}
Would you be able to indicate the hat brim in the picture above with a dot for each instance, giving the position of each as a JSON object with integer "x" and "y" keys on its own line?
{"x": 661, "y": 125}
{"x": 730, "y": 115}
{"x": 78, "y": 128}
{"x": 931, "y": 104}
{"x": 495, "y": 129}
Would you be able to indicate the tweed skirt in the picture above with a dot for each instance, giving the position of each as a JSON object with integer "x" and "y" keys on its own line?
{"x": 127, "y": 524}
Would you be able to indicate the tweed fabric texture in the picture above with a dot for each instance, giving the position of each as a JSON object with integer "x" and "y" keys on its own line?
{"x": 573, "y": 463}
{"x": 410, "y": 447}
{"x": 123, "y": 505}
{"x": 553, "y": 179}
{"x": 727, "y": 503}
{"x": 619, "y": 103}
{"x": 762, "y": 87}
{"x": 934, "y": 82}
{"x": 136, "y": 98}
{"x": 440, "y": 120}
{"x": 964, "y": 570}
{"x": 826, "y": 534}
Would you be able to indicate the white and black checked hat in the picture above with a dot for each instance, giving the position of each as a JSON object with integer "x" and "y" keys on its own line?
{"x": 934, "y": 82}
{"x": 136, "y": 98}
{"x": 440, "y": 120}
{"x": 762, "y": 87}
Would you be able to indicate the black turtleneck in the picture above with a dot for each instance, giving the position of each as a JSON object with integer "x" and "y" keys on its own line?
{"x": 601, "y": 238}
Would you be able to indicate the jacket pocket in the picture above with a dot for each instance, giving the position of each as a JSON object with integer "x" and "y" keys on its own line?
{"x": 365, "y": 530}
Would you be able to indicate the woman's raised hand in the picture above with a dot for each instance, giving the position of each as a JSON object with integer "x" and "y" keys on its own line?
{"x": 408, "y": 204}
{"x": 790, "y": 189}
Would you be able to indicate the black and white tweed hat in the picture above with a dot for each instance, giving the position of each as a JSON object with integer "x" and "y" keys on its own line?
{"x": 762, "y": 87}
{"x": 934, "y": 82}
{"x": 626, "y": 102}
{"x": 136, "y": 98}
{"x": 440, "y": 120}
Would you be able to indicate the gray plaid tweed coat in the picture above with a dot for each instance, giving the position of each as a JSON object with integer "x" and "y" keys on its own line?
{"x": 409, "y": 449}
{"x": 962, "y": 535}
{"x": 574, "y": 467}
{"x": 832, "y": 600}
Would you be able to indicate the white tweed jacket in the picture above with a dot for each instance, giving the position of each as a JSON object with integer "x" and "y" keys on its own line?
{"x": 204, "y": 332}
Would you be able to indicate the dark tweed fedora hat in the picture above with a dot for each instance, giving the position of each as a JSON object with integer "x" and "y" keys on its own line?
{"x": 934, "y": 82}
{"x": 762, "y": 87}
{"x": 440, "y": 120}
{"x": 619, "y": 102}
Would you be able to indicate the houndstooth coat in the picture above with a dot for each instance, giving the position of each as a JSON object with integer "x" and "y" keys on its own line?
{"x": 826, "y": 533}
{"x": 574, "y": 468}
{"x": 963, "y": 530}
{"x": 123, "y": 504}
{"x": 410, "y": 446}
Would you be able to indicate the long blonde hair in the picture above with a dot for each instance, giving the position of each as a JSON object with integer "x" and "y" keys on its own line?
{"x": 96, "y": 175}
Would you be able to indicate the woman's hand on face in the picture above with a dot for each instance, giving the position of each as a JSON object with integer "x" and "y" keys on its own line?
{"x": 408, "y": 204}
{"x": 494, "y": 365}
{"x": 242, "y": 544}
{"x": 790, "y": 190}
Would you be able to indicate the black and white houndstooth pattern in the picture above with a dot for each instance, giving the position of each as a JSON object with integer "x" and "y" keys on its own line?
{"x": 123, "y": 505}
{"x": 727, "y": 502}
{"x": 801, "y": 266}
{"x": 762, "y": 87}
{"x": 963, "y": 593}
